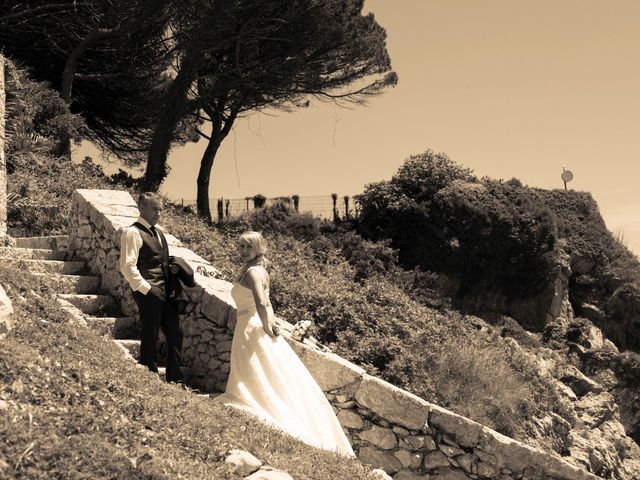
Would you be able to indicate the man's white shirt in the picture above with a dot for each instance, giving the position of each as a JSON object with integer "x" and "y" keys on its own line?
{"x": 130, "y": 243}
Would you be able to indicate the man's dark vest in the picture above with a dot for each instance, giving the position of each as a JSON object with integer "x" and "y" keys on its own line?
{"x": 153, "y": 257}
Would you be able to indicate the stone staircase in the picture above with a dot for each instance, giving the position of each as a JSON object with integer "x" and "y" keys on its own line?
{"x": 76, "y": 289}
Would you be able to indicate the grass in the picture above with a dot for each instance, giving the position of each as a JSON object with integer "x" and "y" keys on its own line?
{"x": 75, "y": 408}
{"x": 371, "y": 319}
{"x": 437, "y": 354}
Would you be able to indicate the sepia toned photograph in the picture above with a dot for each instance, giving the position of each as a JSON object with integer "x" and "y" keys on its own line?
{"x": 319, "y": 240}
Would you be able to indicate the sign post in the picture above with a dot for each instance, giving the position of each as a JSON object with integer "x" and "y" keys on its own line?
{"x": 566, "y": 176}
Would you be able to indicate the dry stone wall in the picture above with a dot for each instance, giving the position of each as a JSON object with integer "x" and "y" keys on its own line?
{"x": 97, "y": 220}
{"x": 389, "y": 428}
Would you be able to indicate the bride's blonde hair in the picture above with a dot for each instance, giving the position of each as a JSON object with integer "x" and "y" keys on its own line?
{"x": 257, "y": 241}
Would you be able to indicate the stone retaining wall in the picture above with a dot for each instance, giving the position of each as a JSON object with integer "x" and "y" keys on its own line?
{"x": 389, "y": 428}
{"x": 97, "y": 220}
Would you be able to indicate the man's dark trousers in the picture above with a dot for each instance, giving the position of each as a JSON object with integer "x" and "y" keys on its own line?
{"x": 156, "y": 313}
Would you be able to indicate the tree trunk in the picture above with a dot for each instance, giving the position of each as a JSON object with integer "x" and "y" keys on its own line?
{"x": 204, "y": 175}
{"x": 70, "y": 66}
{"x": 175, "y": 108}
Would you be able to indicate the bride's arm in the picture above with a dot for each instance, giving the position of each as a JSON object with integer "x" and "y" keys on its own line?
{"x": 262, "y": 302}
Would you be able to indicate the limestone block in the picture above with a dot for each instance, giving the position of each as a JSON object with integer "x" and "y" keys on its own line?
{"x": 405, "y": 474}
{"x": 224, "y": 346}
{"x": 329, "y": 370}
{"x": 350, "y": 419}
{"x": 466, "y": 461}
{"x": 378, "y": 459}
{"x": 269, "y": 473}
{"x": 216, "y": 299}
{"x": 434, "y": 460}
{"x": 419, "y": 442}
{"x": 403, "y": 432}
{"x": 393, "y": 403}
{"x": 116, "y": 222}
{"x": 450, "y": 451}
{"x": 465, "y": 432}
{"x": 450, "y": 474}
{"x": 506, "y": 452}
{"x": 380, "y": 437}
{"x": 486, "y": 470}
{"x": 98, "y": 198}
{"x": 243, "y": 462}
{"x": 409, "y": 459}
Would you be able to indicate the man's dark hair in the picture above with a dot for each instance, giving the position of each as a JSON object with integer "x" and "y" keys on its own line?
{"x": 146, "y": 196}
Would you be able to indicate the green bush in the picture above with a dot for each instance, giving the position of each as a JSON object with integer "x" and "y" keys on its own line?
{"x": 44, "y": 186}
{"x": 485, "y": 234}
{"x": 36, "y": 117}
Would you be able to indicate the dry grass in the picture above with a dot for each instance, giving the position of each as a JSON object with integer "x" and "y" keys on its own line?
{"x": 74, "y": 408}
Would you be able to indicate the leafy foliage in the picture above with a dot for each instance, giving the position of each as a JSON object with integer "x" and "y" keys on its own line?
{"x": 373, "y": 315}
{"x": 108, "y": 60}
{"x": 485, "y": 234}
{"x": 36, "y": 117}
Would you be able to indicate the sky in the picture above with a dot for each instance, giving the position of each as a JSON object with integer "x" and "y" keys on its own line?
{"x": 508, "y": 88}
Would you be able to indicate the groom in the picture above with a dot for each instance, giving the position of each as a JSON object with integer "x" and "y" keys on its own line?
{"x": 144, "y": 262}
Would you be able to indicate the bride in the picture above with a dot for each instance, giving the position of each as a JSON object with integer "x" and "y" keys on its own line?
{"x": 267, "y": 378}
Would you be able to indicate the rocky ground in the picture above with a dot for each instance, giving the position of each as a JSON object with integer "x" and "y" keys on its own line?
{"x": 598, "y": 399}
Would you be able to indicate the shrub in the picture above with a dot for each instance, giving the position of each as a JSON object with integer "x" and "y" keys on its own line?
{"x": 36, "y": 117}
{"x": 486, "y": 235}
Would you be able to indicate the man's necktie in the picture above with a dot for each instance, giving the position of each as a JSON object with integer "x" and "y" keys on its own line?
{"x": 154, "y": 233}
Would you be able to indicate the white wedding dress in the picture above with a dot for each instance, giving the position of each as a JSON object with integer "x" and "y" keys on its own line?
{"x": 269, "y": 380}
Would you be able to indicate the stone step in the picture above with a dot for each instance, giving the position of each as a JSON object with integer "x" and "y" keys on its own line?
{"x": 47, "y": 266}
{"x": 32, "y": 253}
{"x": 96, "y": 305}
{"x": 50, "y": 242}
{"x": 69, "y": 283}
{"x": 116, "y": 327}
{"x": 132, "y": 346}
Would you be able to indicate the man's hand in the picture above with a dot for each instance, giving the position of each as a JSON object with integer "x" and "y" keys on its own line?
{"x": 157, "y": 292}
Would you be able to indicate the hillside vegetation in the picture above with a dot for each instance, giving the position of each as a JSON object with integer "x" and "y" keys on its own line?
{"x": 381, "y": 300}
{"x": 72, "y": 406}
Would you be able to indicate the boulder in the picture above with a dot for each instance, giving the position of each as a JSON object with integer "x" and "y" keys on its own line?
{"x": 269, "y": 473}
{"x": 379, "y": 474}
{"x": 595, "y": 408}
{"x": 244, "y": 462}
{"x": 591, "y": 312}
{"x": 577, "y": 381}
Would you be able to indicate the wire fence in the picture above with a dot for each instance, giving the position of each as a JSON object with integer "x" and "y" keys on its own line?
{"x": 322, "y": 206}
